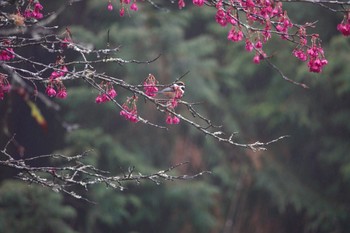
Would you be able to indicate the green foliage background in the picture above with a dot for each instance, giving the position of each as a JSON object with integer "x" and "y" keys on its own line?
{"x": 300, "y": 184}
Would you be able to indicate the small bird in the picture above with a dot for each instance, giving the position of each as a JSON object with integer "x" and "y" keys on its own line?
{"x": 175, "y": 91}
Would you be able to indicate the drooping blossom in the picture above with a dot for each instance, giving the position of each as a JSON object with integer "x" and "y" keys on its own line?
{"x": 170, "y": 120}
{"x": 198, "y": 2}
{"x": 248, "y": 45}
{"x": 61, "y": 72}
{"x": 301, "y": 55}
{"x": 129, "y": 111}
{"x": 122, "y": 12}
{"x": 221, "y": 17}
{"x": 149, "y": 85}
{"x": 134, "y": 7}
{"x": 110, "y": 6}
{"x": 34, "y": 11}
{"x": 62, "y": 94}
{"x": 50, "y": 91}
{"x": 235, "y": 35}
{"x": 107, "y": 94}
{"x": 259, "y": 56}
{"x": 181, "y": 4}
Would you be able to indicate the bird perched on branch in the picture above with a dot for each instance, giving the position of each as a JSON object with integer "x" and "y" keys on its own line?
{"x": 175, "y": 91}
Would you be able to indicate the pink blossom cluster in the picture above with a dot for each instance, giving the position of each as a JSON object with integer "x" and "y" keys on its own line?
{"x": 170, "y": 120}
{"x": 33, "y": 11}
{"x": 55, "y": 87}
{"x": 235, "y": 35}
{"x": 61, "y": 92}
{"x": 316, "y": 59}
{"x": 172, "y": 104}
{"x": 260, "y": 54}
{"x": 198, "y": 2}
{"x": 149, "y": 85}
{"x": 181, "y": 4}
{"x": 344, "y": 26}
{"x": 266, "y": 15}
{"x": 284, "y": 25}
{"x": 129, "y": 111}
{"x": 61, "y": 72}
{"x": 7, "y": 53}
{"x": 5, "y": 86}
{"x": 133, "y": 6}
{"x": 151, "y": 89}
{"x": 260, "y": 11}
{"x": 314, "y": 54}
{"x": 108, "y": 94}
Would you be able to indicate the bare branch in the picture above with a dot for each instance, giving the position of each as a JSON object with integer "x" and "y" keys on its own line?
{"x": 74, "y": 173}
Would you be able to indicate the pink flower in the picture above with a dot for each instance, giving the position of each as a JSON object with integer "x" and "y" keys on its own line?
{"x": 344, "y": 28}
{"x": 267, "y": 32}
{"x": 134, "y": 7}
{"x": 129, "y": 111}
{"x": 176, "y": 120}
{"x": 149, "y": 85}
{"x": 150, "y": 89}
{"x": 133, "y": 118}
{"x": 110, "y": 6}
{"x": 181, "y": 4}
{"x": 38, "y": 7}
{"x": 59, "y": 73}
{"x": 172, "y": 120}
{"x": 108, "y": 94}
{"x": 256, "y": 59}
{"x": 173, "y": 103}
{"x": 221, "y": 18}
{"x": 105, "y": 98}
{"x": 98, "y": 99}
{"x": 50, "y": 91}
{"x": 250, "y": 3}
{"x": 258, "y": 44}
{"x": 122, "y": 12}
{"x": 248, "y": 46}
{"x": 316, "y": 65}
{"x": 126, "y": 1}
{"x": 313, "y": 51}
{"x": 303, "y": 40}
{"x": 112, "y": 93}
{"x": 198, "y": 2}
{"x": 169, "y": 120}
{"x": 300, "y": 55}
{"x": 235, "y": 35}
{"x": 36, "y": 13}
{"x": 6, "y": 55}
{"x": 130, "y": 116}
{"x": 232, "y": 21}
{"x": 28, "y": 14}
{"x": 62, "y": 94}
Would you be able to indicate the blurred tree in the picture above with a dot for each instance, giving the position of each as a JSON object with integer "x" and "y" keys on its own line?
{"x": 33, "y": 209}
